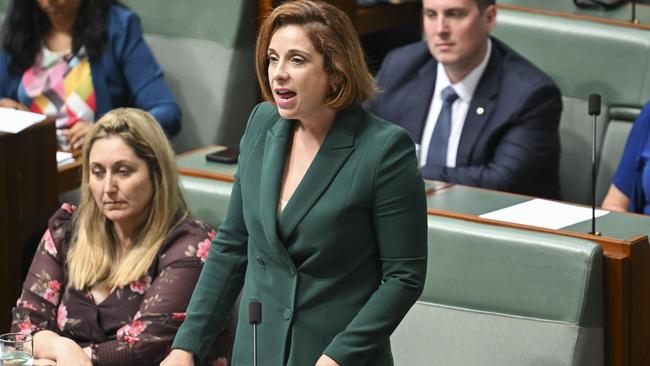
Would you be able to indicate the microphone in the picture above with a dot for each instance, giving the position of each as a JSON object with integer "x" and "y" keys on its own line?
{"x": 594, "y": 110}
{"x": 254, "y": 318}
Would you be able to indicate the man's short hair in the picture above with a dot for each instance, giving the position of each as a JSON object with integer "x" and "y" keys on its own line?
{"x": 482, "y": 4}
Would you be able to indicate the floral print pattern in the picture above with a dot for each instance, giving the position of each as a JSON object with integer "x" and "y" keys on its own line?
{"x": 139, "y": 321}
{"x": 141, "y": 286}
{"x": 48, "y": 243}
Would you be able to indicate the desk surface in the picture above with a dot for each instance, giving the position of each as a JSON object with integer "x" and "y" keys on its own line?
{"x": 452, "y": 198}
{"x": 477, "y": 201}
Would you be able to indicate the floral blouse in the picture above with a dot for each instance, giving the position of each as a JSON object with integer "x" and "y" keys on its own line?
{"x": 135, "y": 324}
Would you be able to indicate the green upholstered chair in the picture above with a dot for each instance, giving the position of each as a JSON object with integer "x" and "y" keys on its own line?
{"x": 207, "y": 199}
{"x": 583, "y": 57}
{"x": 502, "y": 296}
{"x": 206, "y": 49}
{"x": 610, "y": 155}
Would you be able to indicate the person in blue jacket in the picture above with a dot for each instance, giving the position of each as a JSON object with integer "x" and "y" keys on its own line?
{"x": 630, "y": 190}
{"x": 75, "y": 60}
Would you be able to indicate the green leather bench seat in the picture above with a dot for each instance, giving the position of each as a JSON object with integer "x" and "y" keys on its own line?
{"x": 207, "y": 199}
{"x": 205, "y": 48}
{"x": 584, "y": 57}
{"x": 503, "y": 296}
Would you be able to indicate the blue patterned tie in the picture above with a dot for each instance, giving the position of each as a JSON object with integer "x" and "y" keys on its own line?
{"x": 437, "y": 154}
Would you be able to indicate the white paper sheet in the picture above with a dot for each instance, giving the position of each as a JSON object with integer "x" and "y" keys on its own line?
{"x": 63, "y": 158}
{"x": 14, "y": 121}
{"x": 543, "y": 213}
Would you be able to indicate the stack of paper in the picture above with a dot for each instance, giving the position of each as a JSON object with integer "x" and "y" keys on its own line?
{"x": 14, "y": 121}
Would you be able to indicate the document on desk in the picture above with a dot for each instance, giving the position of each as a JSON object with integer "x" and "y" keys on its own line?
{"x": 543, "y": 213}
{"x": 64, "y": 158}
{"x": 14, "y": 120}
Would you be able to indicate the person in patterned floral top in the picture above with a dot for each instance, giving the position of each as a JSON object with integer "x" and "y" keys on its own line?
{"x": 110, "y": 281}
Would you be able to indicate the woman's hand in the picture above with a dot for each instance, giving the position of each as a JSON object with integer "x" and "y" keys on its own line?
{"x": 51, "y": 346}
{"x": 10, "y": 103}
{"x": 324, "y": 360}
{"x": 69, "y": 353}
{"x": 76, "y": 134}
{"x": 178, "y": 357}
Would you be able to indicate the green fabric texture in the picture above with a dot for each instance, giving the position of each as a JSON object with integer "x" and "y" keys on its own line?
{"x": 340, "y": 266}
{"x": 610, "y": 155}
{"x": 583, "y": 57}
{"x": 221, "y": 21}
{"x": 516, "y": 272}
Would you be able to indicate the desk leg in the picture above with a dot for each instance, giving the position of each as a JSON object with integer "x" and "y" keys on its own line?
{"x": 617, "y": 314}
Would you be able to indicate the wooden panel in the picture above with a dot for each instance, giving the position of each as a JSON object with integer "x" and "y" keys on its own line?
{"x": 639, "y": 295}
{"x": 28, "y": 192}
{"x": 617, "y": 309}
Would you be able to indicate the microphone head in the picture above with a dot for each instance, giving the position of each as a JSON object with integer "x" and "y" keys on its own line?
{"x": 254, "y": 312}
{"x": 594, "y": 105}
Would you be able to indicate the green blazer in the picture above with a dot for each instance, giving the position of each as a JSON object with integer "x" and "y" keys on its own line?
{"x": 339, "y": 268}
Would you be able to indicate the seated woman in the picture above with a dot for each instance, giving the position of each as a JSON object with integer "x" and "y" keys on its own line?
{"x": 75, "y": 60}
{"x": 110, "y": 281}
{"x": 630, "y": 190}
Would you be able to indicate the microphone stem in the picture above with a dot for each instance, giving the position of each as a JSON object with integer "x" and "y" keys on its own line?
{"x": 593, "y": 179}
{"x": 254, "y": 344}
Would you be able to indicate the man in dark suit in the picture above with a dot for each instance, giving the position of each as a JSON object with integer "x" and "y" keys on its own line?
{"x": 479, "y": 113}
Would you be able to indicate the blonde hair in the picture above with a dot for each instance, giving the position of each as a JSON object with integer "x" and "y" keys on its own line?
{"x": 331, "y": 32}
{"x": 92, "y": 258}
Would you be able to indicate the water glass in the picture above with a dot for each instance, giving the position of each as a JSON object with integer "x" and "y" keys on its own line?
{"x": 16, "y": 349}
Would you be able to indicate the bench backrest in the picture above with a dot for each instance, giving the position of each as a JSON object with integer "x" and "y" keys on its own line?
{"x": 502, "y": 296}
{"x": 583, "y": 57}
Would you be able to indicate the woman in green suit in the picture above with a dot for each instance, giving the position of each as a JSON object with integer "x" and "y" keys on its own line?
{"x": 326, "y": 225}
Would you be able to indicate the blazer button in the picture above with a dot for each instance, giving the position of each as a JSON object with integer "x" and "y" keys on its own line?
{"x": 260, "y": 261}
{"x": 287, "y": 314}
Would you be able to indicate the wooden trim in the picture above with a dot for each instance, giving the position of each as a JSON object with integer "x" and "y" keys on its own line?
{"x": 616, "y": 270}
{"x": 206, "y": 175}
{"x": 610, "y": 246}
{"x": 615, "y": 22}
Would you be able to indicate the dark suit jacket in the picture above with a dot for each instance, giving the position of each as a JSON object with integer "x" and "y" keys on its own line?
{"x": 513, "y": 146}
{"x": 342, "y": 264}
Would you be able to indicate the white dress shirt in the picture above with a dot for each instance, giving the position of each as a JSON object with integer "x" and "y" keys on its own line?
{"x": 465, "y": 90}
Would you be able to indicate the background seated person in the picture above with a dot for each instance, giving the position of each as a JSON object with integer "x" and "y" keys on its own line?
{"x": 630, "y": 190}
{"x": 110, "y": 281}
{"x": 76, "y": 60}
{"x": 479, "y": 113}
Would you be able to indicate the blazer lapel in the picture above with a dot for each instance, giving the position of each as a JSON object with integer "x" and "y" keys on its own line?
{"x": 481, "y": 108}
{"x": 331, "y": 156}
{"x": 275, "y": 151}
{"x": 416, "y": 106}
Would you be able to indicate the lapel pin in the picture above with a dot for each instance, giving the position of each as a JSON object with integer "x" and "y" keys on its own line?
{"x": 480, "y": 111}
